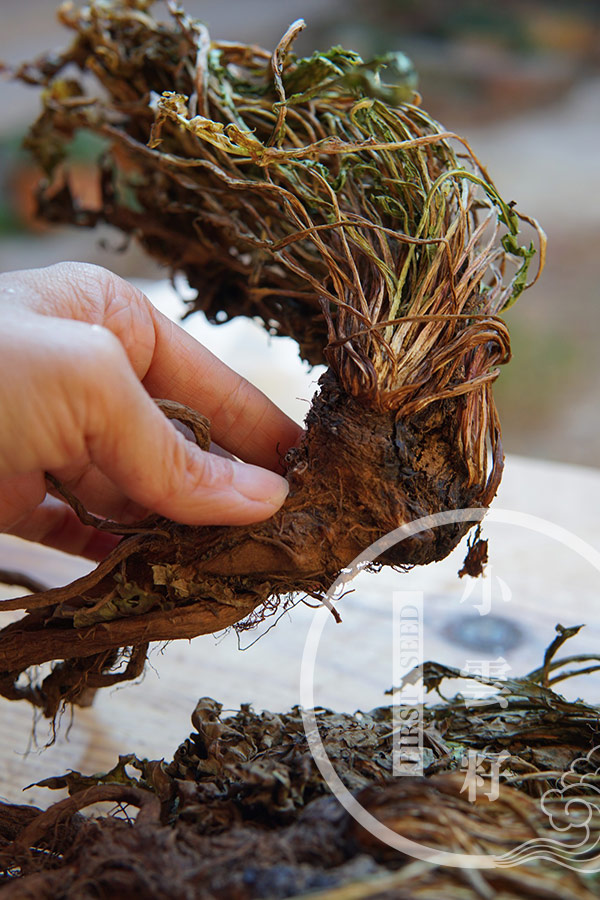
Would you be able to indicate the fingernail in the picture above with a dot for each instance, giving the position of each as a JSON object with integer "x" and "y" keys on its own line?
{"x": 259, "y": 484}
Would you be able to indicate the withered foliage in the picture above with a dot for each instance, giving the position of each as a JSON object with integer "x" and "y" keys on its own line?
{"x": 316, "y": 195}
{"x": 243, "y": 812}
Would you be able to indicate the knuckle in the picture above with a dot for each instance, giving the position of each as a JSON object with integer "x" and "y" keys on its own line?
{"x": 191, "y": 468}
{"x": 98, "y": 375}
{"x": 188, "y": 471}
{"x": 75, "y": 272}
{"x": 179, "y": 472}
{"x": 234, "y": 404}
{"x": 127, "y": 314}
{"x": 82, "y": 281}
{"x": 101, "y": 347}
{"x": 99, "y": 296}
{"x": 235, "y": 418}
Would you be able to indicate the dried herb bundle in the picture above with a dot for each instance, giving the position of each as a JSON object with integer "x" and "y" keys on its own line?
{"x": 242, "y": 810}
{"x": 319, "y": 197}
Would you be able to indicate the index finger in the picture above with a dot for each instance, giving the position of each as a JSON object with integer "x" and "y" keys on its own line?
{"x": 169, "y": 362}
{"x": 243, "y": 419}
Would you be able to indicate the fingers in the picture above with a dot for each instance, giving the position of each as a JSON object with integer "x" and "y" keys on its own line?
{"x": 98, "y": 494}
{"x": 54, "y": 524}
{"x": 69, "y": 396}
{"x": 90, "y": 294}
{"x": 170, "y": 362}
{"x": 72, "y": 396}
{"x": 19, "y": 495}
{"x": 243, "y": 420}
{"x": 25, "y": 513}
{"x": 138, "y": 449}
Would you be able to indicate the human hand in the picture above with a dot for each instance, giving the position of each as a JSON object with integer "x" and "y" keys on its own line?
{"x": 81, "y": 354}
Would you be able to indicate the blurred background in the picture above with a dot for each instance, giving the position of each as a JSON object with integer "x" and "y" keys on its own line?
{"x": 520, "y": 80}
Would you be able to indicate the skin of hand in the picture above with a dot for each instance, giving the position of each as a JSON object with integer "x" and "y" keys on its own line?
{"x": 82, "y": 352}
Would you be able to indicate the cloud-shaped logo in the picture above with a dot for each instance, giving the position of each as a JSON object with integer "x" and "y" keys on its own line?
{"x": 573, "y": 805}
{"x": 565, "y": 805}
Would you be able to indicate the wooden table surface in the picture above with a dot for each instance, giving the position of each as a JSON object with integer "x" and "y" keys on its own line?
{"x": 533, "y": 582}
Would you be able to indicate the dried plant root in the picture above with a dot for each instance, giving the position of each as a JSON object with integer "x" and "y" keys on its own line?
{"x": 242, "y": 811}
{"x": 314, "y": 196}
{"x": 21, "y": 579}
{"x": 181, "y": 581}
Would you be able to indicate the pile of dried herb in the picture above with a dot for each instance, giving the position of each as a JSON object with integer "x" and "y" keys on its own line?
{"x": 243, "y": 812}
{"x": 316, "y": 195}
